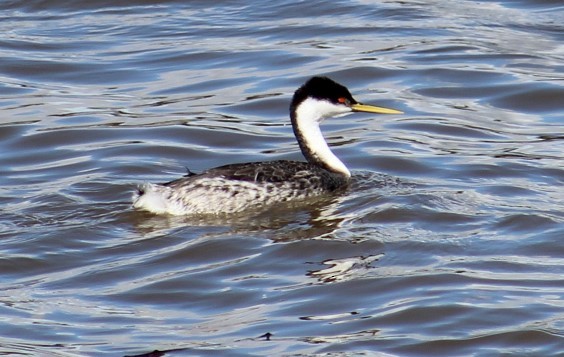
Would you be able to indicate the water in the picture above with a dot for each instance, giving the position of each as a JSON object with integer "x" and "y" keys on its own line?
{"x": 449, "y": 241}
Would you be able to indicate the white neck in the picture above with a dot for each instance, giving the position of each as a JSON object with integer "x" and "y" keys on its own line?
{"x": 309, "y": 114}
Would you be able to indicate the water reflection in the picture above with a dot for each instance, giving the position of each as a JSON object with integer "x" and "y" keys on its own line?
{"x": 281, "y": 223}
{"x": 454, "y": 248}
{"x": 344, "y": 269}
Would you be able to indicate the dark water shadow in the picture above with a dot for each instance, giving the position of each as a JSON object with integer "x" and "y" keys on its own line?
{"x": 284, "y": 222}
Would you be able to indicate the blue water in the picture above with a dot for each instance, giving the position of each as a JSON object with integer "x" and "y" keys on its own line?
{"x": 448, "y": 242}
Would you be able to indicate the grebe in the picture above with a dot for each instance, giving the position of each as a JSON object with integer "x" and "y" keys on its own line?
{"x": 237, "y": 187}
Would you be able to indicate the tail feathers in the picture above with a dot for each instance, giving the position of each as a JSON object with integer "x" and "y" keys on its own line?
{"x": 150, "y": 197}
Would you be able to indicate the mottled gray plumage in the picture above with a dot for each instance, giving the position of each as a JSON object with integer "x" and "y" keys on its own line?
{"x": 238, "y": 187}
{"x": 306, "y": 175}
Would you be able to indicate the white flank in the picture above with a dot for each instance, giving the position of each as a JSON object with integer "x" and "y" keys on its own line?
{"x": 151, "y": 200}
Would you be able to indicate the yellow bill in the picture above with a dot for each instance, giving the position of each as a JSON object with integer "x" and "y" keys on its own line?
{"x": 373, "y": 109}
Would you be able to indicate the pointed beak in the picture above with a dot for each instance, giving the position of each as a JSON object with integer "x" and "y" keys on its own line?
{"x": 373, "y": 109}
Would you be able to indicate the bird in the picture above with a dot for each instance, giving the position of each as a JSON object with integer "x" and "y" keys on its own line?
{"x": 236, "y": 188}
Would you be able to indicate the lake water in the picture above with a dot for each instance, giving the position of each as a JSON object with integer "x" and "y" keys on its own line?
{"x": 450, "y": 240}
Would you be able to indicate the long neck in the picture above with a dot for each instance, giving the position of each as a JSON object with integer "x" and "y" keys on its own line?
{"x": 305, "y": 123}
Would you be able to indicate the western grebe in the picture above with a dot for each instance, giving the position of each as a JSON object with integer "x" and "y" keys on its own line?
{"x": 238, "y": 187}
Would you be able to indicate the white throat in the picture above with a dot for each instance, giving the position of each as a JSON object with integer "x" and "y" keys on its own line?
{"x": 309, "y": 114}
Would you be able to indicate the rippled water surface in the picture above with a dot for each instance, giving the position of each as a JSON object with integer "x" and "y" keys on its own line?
{"x": 448, "y": 242}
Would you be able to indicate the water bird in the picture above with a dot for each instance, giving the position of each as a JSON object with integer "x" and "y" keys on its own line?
{"x": 239, "y": 187}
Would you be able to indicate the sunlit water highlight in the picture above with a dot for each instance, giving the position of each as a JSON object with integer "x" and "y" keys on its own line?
{"x": 449, "y": 241}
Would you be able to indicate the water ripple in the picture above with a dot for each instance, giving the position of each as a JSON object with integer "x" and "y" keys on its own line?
{"x": 447, "y": 239}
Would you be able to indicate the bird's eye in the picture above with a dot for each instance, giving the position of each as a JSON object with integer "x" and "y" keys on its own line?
{"x": 344, "y": 101}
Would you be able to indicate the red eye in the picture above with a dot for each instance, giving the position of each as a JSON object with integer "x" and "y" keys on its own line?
{"x": 343, "y": 100}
